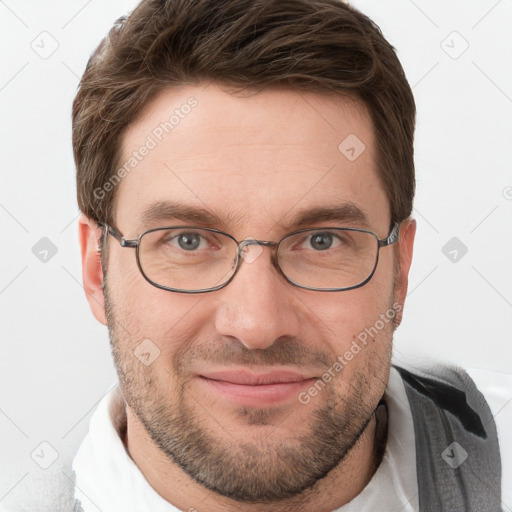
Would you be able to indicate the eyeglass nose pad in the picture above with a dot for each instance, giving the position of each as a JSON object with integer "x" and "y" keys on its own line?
{"x": 252, "y": 255}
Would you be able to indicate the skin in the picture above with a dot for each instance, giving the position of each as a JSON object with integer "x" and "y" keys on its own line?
{"x": 254, "y": 161}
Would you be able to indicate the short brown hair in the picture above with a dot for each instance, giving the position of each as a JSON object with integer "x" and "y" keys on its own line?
{"x": 320, "y": 46}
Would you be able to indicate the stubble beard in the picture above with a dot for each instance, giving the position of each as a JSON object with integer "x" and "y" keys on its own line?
{"x": 266, "y": 470}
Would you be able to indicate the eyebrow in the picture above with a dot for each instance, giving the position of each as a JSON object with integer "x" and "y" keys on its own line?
{"x": 164, "y": 211}
{"x": 169, "y": 210}
{"x": 345, "y": 213}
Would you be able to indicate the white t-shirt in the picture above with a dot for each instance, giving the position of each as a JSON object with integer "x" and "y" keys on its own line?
{"x": 107, "y": 479}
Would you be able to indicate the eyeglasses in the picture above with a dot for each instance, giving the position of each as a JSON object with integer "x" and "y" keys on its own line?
{"x": 190, "y": 259}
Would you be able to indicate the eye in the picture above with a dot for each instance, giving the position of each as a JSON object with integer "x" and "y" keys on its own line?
{"x": 323, "y": 240}
{"x": 188, "y": 241}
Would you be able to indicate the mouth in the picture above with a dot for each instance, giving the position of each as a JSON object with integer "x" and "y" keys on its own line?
{"x": 256, "y": 389}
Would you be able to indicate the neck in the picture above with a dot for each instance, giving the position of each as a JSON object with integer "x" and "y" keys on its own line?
{"x": 339, "y": 487}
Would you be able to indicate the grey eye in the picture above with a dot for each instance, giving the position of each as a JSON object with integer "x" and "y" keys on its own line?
{"x": 321, "y": 241}
{"x": 189, "y": 241}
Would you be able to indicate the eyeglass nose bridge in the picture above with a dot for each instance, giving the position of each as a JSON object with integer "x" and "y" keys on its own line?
{"x": 250, "y": 241}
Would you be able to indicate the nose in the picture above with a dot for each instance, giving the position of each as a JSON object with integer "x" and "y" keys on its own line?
{"x": 258, "y": 306}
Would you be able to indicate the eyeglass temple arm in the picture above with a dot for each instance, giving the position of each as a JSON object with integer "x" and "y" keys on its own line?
{"x": 392, "y": 237}
{"x": 120, "y": 238}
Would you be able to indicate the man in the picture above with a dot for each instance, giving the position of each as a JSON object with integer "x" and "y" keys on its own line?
{"x": 245, "y": 172}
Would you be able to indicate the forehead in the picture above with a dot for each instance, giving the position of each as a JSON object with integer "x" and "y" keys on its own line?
{"x": 252, "y": 161}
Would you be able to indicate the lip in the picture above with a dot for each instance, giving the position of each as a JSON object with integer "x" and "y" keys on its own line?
{"x": 243, "y": 377}
{"x": 256, "y": 389}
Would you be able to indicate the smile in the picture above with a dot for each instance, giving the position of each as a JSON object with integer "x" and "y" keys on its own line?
{"x": 256, "y": 390}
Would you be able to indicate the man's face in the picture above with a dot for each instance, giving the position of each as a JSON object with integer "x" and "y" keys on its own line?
{"x": 256, "y": 163}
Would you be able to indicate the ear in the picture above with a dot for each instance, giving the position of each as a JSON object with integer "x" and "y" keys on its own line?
{"x": 92, "y": 272}
{"x": 404, "y": 253}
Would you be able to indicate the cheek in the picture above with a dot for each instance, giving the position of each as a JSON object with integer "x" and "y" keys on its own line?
{"x": 143, "y": 312}
{"x": 361, "y": 315}
{"x": 362, "y": 346}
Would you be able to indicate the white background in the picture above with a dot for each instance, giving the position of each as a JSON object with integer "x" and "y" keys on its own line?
{"x": 55, "y": 360}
